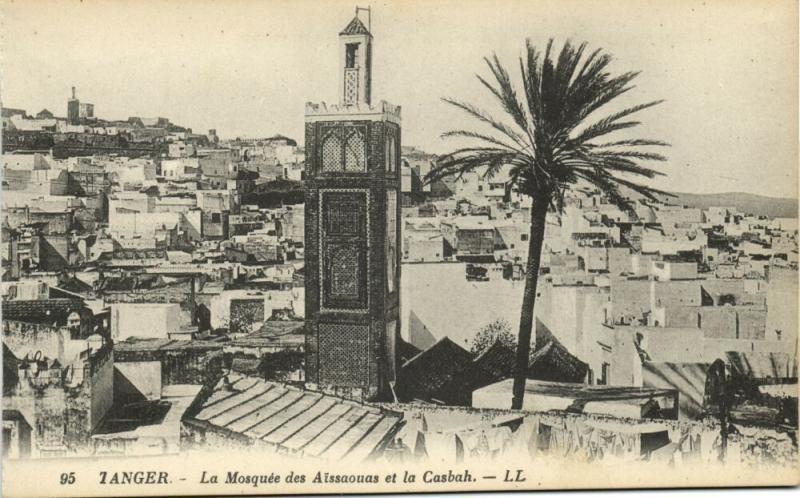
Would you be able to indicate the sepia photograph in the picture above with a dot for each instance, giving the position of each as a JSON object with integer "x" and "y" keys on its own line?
{"x": 279, "y": 247}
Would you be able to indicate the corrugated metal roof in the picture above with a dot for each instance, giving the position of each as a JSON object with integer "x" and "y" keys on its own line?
{"x": 304, "y": 423}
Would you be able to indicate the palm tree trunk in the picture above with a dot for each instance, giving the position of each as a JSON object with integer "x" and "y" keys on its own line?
{"x": 535, "y": 244}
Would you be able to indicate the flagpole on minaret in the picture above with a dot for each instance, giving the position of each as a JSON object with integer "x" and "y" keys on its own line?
{"x": 369, "y": 16}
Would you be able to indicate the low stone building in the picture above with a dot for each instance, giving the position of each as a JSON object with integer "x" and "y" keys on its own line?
{"x": 53, "y": 402}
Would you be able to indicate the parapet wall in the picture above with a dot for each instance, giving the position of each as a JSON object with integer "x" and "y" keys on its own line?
{"x": 358, "y": 112}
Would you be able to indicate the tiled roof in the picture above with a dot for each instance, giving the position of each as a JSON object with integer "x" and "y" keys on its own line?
{"x": 41, "y": 310}
{"x": 290, "y": 334}
{"x": 127, "y": 283}
{"x": 280, "y": 328}
{"x": 142, "y": 281}
{"x": 448, "y": 373}
{"x": 356, "y": 27}
{"x": 74, "y": 284}
{"x": 282, "y": 138}
{"x": 406, "y": 351}
{"x": 298, "y": 422}
{"x": 497, "y": 361}
{"x": 134, "y": 254}
{"x": 161, "y": 344}
{"x": 554, "y": 362}
{"x": 432, "y": 373}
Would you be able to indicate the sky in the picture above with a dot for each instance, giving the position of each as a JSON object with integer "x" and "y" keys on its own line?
{"x": 727, "y": 69}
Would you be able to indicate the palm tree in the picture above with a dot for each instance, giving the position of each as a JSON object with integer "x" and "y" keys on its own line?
{"x": 550, "y": 145}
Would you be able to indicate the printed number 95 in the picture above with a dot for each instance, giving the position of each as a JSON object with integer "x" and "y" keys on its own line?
{"x": 67, "y": 478}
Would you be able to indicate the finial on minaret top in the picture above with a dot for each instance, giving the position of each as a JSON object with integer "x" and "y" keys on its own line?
{"x": 355, "y": 56}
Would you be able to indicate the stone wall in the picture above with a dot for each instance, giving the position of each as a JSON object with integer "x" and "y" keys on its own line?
{"x": 56, "y": 252}
{"x": 181, "y": 293}
{"x": 63, "y": 404}
{"x": 145, "y": 320}
{"x": 731, "y": 291}
{"x": 101, "y": 387}
{"x": 190, "y": 363}
{"x": 23, "y": 337}
{"x": 720, "y": 322}
{"x": 629, "y": 299}
{"x": 57, "y": 222}
{"x": 676, "y": 293}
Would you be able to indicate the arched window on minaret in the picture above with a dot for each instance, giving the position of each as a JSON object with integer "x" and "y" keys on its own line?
{"x": 331, "y": 152}
{"x": 388, "y": 154}
{"x": 355, "y": 153}
{"x": 392, "y": 154}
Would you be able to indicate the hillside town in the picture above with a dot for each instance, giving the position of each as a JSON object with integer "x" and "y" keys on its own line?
{"x": 164, "y": 290}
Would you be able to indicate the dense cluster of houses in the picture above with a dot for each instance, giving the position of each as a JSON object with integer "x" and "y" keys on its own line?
{"x": 647, "y": 298}
{"x": 155, "y": 301}
{"x": 135, "y": 275}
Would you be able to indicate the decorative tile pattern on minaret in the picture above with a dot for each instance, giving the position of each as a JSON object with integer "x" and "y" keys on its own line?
{"x": 352, "y": 232}
{"x": 355, "y": 43}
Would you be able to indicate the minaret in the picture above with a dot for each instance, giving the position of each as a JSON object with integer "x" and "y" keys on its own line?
{"x": 352, "y": 259}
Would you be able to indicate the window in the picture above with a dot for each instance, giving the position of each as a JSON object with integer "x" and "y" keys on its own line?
{"x": 390, "y": 152}
{"x": 523, "y": 237}
{"x": 605, "y": 373}
{"x": 351, "y": 55}
{"x": 332, "y": 152}
{"x": 391, "y": 239}
{"x": 216, "y": 218}
{"x": 6, "y": 431}
{"x": 344, "y": 149}
{"x": 355, "y": 151}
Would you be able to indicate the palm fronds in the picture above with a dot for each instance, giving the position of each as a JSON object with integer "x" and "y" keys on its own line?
{"x": 547, "y": 139}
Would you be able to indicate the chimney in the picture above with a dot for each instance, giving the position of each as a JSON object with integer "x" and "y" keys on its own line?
{"x": 73, "y": 93}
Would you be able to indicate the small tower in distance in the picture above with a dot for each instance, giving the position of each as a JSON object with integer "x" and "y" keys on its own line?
{"x": 73, "y": 109}
{"x": 355, "y": 56}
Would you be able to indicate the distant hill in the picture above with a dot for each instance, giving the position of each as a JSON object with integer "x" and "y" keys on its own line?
{"x": 773, "y": 207}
